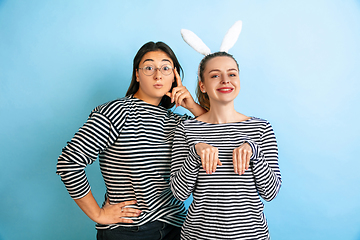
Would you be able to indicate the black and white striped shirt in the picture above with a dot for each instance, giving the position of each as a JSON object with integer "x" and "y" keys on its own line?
{"x": 226, "y": 205}
{"x": 133, "y": 140}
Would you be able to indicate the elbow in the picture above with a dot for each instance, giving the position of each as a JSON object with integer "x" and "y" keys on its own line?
{"x": 177, "y": 193}
{"x": 271, "y": 195}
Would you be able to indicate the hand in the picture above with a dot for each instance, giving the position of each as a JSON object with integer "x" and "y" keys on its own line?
{"x": 117, "y": 213}
{"x": 181, "y": 95}
{"x": 241, "y": 158}
{"x": 209, "y": 157}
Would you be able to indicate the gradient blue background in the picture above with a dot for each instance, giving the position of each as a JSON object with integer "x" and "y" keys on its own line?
{"x": 299, "y": 70}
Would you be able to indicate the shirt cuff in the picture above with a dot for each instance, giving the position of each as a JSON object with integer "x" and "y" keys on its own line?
{"x": 254, "y": 149}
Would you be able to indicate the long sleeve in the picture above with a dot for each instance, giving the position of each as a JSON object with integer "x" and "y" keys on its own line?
{"x": 92, "y": 138}
{"x": 265, "y": 165}
{"x": 184, "y": 167}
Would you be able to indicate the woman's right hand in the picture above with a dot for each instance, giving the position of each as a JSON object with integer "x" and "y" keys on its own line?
{"x": 209, "y": 157}
{"x": 117, "y": 213}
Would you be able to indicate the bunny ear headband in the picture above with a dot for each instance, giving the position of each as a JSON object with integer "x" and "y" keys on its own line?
{"x": 228, "y": 42}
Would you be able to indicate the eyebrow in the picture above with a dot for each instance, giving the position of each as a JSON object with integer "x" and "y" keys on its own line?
{"x": 230, "y": 69}
{"x": 151, "y": 60}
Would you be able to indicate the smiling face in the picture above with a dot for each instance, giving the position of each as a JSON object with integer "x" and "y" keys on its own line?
{"x": 152, "y": 88}
{"x": 221, "y": 80}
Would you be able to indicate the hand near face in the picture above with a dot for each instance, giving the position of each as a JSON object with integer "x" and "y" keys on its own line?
{"x": 209, "y": 157}
{"x": 241, "y": 158}
{"x": 180, "y": 95}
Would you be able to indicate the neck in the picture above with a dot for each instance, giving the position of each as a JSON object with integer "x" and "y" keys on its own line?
{"x": 222, "y": 113}
{"x": 153, "y": 101}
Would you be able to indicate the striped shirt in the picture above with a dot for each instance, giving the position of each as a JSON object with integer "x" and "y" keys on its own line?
{"x": 133, "y": 140}
{"x": 226, "y": 205}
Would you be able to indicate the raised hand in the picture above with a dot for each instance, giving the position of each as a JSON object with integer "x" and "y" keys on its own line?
{"x": 180, "y": 95}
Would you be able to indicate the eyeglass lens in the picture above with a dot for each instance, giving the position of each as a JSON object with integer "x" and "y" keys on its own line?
{"x": 150, "y": 69}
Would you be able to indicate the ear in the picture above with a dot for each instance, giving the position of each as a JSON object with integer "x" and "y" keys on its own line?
{"x": 202, "y": 87}
{"x": 137, "y": 75}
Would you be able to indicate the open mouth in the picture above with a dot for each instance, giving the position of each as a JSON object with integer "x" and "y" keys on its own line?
{"x": 225, "y": 90}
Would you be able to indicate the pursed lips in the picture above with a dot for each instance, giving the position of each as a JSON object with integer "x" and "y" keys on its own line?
{"x": 158, "y": 86}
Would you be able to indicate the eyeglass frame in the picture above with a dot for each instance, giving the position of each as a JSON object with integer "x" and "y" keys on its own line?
{"x": 155, "y": 69}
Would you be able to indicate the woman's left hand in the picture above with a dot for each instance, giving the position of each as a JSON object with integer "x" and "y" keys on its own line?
{"x": 180, "y": 95}
{"x": 241, "y": 158}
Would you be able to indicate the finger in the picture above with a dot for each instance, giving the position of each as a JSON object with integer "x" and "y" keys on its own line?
{"x": 215, "y": 161}
{"x": 169, "y": 94}
{"x": 217, "y": 157}
{"x": 211, "y": 162}
{"x": 125, "y": 220}
{"x": 127, "y": 203}
{"x": 239, "y": 162}
{"x": 243, "y": 161}
{"x": 130, "y": 212}
{"x": 203, "y": 160}
{"x": 235, "y": 161}
{"x": 248, "y": 161}
{"x": 178, "y": 79}
{"x": 173, "y": 94}
{"x": 179, "y": 97}
{"x": 207, "y": 160}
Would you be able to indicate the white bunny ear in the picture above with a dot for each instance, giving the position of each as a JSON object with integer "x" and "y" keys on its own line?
{"x": 231, "y": 37}
{"x": 195, "y": 42}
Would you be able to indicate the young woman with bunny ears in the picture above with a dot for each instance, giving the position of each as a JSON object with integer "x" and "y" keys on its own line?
{"x": 132, "y": 137}
{"x": 225, "y": 159}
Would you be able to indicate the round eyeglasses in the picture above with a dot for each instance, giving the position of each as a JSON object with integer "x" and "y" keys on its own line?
{"x": 149, "y": 70}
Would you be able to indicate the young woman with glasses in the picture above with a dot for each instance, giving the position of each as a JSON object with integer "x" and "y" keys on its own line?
{"x": 225, "y": 159}
{"x": 133, "y": 137}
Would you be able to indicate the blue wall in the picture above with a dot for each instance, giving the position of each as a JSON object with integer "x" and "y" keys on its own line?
{"x": 299, "y": 69}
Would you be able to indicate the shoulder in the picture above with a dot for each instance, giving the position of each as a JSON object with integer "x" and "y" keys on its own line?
{"x": 258, "y": 120}
{"x": 262, "y": 125}
{"x": 111, "y": 106}
{"x": 178, "y": 117}
{"x": 115, "y": 111}
{"x": 194, "y": 125}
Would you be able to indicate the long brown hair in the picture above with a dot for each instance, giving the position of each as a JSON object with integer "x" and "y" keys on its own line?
{"x": 203, "y": 98}
{"x": 152, "y": 47}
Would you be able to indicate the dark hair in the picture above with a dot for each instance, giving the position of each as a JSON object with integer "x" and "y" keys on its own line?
{"x": 152, "y": 47}
{"x": 203, "y": 98}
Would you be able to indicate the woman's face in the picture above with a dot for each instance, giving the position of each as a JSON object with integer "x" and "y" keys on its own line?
{"x": 221, "y": 79}
{"x": 155, "y": 76}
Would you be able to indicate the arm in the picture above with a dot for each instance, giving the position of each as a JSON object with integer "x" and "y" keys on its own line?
{"x": 197, "y": 110}
{"x": 265, "y": 165}
{"x": 108, "y": 214}
{"x": 94, "y": 137}
{"x": 185, "y": 166}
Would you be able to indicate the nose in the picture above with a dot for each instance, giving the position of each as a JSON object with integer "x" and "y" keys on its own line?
{"x": 157, "y": 73}
{"x": 225, "y": 80}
